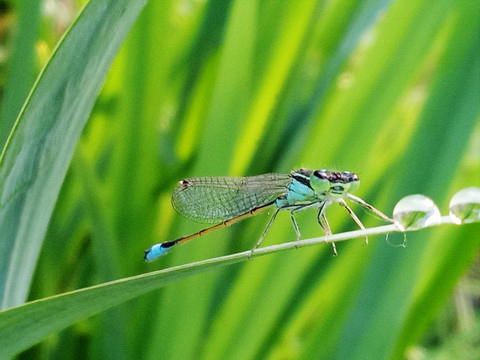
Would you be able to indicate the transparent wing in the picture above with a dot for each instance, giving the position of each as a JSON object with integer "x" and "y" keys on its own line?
{"x": 215, "y": 199}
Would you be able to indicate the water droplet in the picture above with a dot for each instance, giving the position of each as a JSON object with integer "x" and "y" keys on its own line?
{"x": 465, "y": 206}
{"x": 415, "y": 212}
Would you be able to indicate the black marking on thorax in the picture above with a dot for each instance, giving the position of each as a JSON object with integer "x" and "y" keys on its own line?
{"x": 302, "y": 176}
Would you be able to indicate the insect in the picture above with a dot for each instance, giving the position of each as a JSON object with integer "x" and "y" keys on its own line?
{"x": 224, "y": 200}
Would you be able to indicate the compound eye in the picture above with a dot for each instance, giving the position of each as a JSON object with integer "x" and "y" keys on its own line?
{"x": 354, "y": 183}
{"x": 319, "y": 181}
{"x": 349, "y": 176}
{"x": 321, "y": 174}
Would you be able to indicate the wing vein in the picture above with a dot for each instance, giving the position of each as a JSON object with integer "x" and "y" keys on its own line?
{"x": 216, "y": 199}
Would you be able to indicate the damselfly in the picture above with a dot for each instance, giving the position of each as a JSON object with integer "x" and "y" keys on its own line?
{"x": 226, "y": 200}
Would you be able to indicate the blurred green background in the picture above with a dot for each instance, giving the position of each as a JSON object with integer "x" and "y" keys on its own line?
{"x": 387, "y": 89}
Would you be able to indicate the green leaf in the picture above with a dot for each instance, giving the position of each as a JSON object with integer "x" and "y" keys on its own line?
{"x": 38, "y": 152}
{"x": 20, "y": 75}
{"x": 25, "y": 325}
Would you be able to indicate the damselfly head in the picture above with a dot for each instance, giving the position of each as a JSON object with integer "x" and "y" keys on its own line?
{"x": 335, "y": 183}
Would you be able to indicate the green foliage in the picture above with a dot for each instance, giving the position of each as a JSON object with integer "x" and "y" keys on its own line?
{"x": 389, "y": 90}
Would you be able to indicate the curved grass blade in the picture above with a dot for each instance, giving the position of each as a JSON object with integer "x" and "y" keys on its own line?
{"x": 38, "y": 151}
{"x": 25, "y": 325}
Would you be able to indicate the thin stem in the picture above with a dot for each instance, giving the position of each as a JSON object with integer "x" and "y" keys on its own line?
{"x": 245, "y": 255}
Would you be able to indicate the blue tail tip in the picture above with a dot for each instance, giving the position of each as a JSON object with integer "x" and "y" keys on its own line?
{"x": 158, "y": 250}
